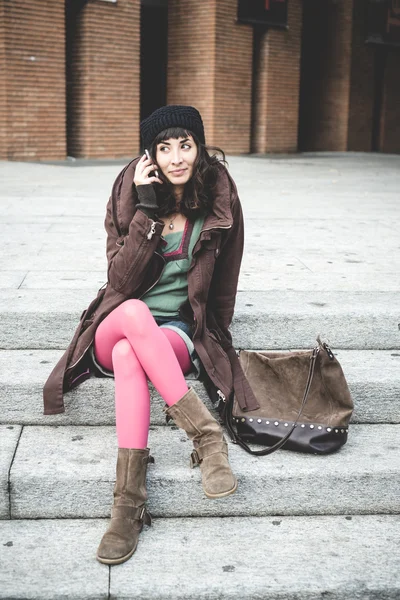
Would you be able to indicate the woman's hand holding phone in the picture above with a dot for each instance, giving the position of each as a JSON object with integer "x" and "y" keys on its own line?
{"x": 146, "y": 171}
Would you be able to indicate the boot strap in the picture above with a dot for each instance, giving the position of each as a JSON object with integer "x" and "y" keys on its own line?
{"x": 135, "y": 513}
{"x": 168, "y": 417}
{"x": 206, "y": 450}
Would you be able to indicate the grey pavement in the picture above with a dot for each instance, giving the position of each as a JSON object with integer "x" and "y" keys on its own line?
{"x": 9, "y": 435}
{"x": 270, "y": 558}
{"x": 370, "y": 374}
{"x": 79, "y": 483}
{"x": 266, "y": 319}
{"x": 313, "y": 223}
{"x": 322, "y": 256}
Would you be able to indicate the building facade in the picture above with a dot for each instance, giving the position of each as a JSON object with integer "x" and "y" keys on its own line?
{"x": 77, "y": 76}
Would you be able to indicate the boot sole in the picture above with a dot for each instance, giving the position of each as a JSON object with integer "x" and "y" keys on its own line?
{"x": 115, "y": 561}
{"x": 222, "y": 494}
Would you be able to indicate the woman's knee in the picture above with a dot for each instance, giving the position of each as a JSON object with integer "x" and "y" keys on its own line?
{"x": 124, "y": 358}
{"x": 137, "y": 316}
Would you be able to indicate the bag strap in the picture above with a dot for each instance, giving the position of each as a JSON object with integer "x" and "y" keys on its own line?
{"x": 235, "y": 437}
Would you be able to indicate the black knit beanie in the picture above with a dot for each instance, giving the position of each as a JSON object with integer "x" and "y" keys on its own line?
{"x": 172, "y": 115}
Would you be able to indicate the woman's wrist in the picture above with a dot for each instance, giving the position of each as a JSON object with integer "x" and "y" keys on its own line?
{"x": 147, "y": 200}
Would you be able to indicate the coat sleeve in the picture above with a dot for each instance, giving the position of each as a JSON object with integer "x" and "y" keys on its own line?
{"x": 129, "y": 255}
{"x": 226, "y": 272}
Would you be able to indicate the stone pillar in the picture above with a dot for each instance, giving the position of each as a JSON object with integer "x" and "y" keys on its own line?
{"x": 361, "y": 101}
{"x": 277, "y": 86}
{"x": 233, "y": 79}
{"x": 3, "y": 85}
{"x": 104, "y": 85}
{"x": 390, "y": 131}
{"x": 325, "y": 74}
{"x": 210, "y": 67}
{"x": 32, "y": 80}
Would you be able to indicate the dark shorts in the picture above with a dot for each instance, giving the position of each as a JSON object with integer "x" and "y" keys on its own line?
{"x": 184, "y": 330}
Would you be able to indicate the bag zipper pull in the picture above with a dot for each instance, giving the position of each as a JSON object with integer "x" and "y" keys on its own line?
{"x": 152, "y": 230}
{"x": 221, "y": 396}
{"x": 328, "y": 351}
{"x": 315, "y": 352}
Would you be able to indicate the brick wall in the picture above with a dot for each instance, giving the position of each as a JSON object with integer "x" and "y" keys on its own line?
{"x": 3, "y": 83}
{"x": 233, "y": 79}
{"x": 191, "y": 58}
{"x": 34, "y": 109}
{"x": 361, "y": 101}
{"x": 277, "y": 86}
{"x": 325, "y": 74}
{"x": 260, "y": 92}
{"x": 210, "y": 67}
{"x": 390, "y": 133}
{"x": 104, "y": 90}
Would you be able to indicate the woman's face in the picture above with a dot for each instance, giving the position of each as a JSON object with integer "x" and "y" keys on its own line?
{"x": 176, "y": 158}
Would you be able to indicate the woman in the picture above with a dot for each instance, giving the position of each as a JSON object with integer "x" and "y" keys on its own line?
{"x": 174, "y": 246}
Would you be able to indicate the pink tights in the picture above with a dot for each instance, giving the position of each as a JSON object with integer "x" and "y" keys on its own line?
{"x": 130, "y": 343}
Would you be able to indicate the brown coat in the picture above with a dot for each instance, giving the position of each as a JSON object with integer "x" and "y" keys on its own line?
{"x": 134, "y": 266}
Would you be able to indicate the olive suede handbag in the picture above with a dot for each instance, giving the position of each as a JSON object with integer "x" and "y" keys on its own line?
{"x": 305, "y": 402}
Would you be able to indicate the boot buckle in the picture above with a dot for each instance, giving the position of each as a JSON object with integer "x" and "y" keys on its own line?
{"x": 145, "y": 516}
{"x": 194, "y": 459}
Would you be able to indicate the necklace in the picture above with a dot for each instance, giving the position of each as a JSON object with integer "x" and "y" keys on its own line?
{"x": 171, "y": 223}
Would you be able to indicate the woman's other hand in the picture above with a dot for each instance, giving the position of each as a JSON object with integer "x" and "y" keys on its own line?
{"x": 143, "y": 169}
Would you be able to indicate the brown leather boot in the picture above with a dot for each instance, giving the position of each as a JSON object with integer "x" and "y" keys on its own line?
{"x": 210, "y": 447}
{"x": 128, "y": 512}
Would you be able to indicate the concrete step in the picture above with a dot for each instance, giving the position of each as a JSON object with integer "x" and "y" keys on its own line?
{"x": 68, "y": 472}
{"x": 286, "y": 558}
{"x": 278, "y": 271}
{"x": 275, "y": 319}
{"x": 373, "y": 377}
{"x": 9, "y": 436}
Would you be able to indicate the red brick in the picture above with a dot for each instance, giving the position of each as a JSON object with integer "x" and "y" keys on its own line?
{"x": 361, "y": 101}
{"x": 313, "y": 84}
{"x": 210, "y": 67}
{"x": 277, "y": 86}
{"x": 34, "y": 100}
{"x": 390, "y": 133}
{"x": 326, "y": 72}
{"x": 104, "y": 91}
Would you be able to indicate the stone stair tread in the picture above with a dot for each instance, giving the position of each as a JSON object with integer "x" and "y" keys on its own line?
{"x": 248, "y": 558}
{"x": 73, "y": 301}
{"x": 373, "y": 377}
{"x": 73, "y": 469}
{"x": 276, "y": 274}
{"x": 275, "y": 319}
{"x": 9, "y": 435}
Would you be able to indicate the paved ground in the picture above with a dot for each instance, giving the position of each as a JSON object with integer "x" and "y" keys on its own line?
{"x": 315, "y": 223}
{"x": 322, "y": 255}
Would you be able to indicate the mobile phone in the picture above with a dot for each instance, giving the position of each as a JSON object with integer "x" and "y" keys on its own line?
{"x": 155, "y": 170}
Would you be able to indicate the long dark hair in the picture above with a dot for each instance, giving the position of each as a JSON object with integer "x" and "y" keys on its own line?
{"x": 197, "y": 198}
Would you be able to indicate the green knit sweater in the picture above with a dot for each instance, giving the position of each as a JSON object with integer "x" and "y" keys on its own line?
{"x": 171, "y": 291}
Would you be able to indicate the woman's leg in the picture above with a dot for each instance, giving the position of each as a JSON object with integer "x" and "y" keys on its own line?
{"x": 180, "y": 349}
{"x": 133, "y": 320}
{"x": 132, "y": 399}
{"x": 117, "y": 347}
